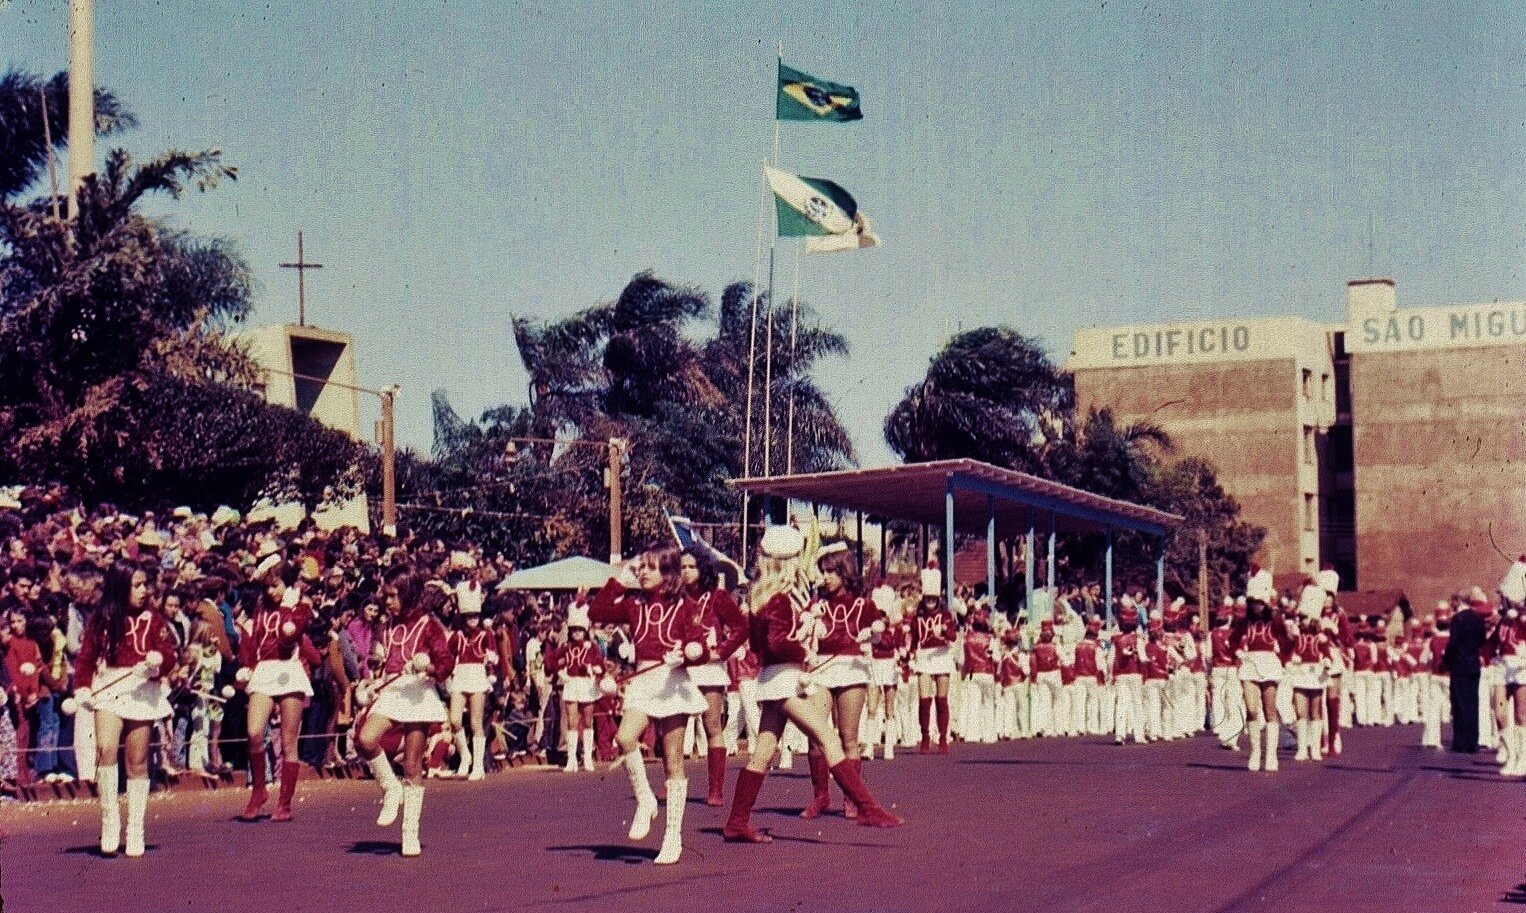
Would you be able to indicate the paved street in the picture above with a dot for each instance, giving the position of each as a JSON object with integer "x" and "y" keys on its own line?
{"x": 1054, "y": 826}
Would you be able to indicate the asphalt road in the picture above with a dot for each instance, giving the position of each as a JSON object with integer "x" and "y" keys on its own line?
{"x": 1068, "y": 825}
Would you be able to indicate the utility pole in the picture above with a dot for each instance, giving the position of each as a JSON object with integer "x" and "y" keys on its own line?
{"x": 612, "y": 479}
{"x": 81, "y": 97}
{"x": 1202, "y": 578}
{"x": 388, "y": 455}
{"x": 301, "y": 266}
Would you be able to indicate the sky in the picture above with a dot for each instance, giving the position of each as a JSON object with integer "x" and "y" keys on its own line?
{"x": 1045, "y": 166}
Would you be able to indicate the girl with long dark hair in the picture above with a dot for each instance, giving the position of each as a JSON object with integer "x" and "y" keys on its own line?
{"x": 119, "y": 676}
{"x": 273, "y": 674}
{"x": 713, "y": 610}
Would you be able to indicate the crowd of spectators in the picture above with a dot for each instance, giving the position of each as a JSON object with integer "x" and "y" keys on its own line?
{"x": 54, "y": 552}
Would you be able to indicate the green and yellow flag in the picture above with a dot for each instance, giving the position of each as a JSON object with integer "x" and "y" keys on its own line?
{"x": 804, "y": 97}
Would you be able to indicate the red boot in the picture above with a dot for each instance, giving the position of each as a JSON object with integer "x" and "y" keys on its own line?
{"x": 289, "y": 772}
{"x": 738, "y": 827}
{"x": 849, "y": 807}
{"x": 255, "y": 809}
{"x": 925, "y": 717}
{"x": 821, "y": 786}
{"x": 870, "y": 814}
{"x": 717, "y": 765}
{"x": 943, "y": 721}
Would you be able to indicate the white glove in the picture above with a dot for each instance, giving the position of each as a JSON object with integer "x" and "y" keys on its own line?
{"x": 84, "y": 699}
{"x": 153, "y": 664}
{"x": 420, "y": 663}
{"x": 673, "y": 658}
{"x": 627, "y": 651}
{"x": 491, "y": 658}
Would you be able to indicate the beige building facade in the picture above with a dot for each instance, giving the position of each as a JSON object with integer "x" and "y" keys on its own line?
{"x": 1391, "y": 446}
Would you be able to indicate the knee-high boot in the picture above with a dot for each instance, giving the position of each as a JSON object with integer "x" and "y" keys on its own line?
{"x": 290, "y": 770}
{"x": 821, "y": 785}
{"x": 258, "y": 794}
{"x": 137, "y": 807}
{"x": 413, "y": 813}
{"x": 870, "y": 813}
{"x": 715, "y": 768}
{"x": 646, "y": 801}
{"x": 744, "y": 795}
{"x": 673, "y": 835}
{"x": 111, "y": 808}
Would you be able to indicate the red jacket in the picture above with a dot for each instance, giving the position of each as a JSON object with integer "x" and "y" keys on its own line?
{"x": 1126, "y": 658}
{"x": 1087, "y": 665}
{"x": 577, "y": 660}
{"x": 846, "y": 617}
{"x": 977, "y": 654}
{"x": 263, "y": 638}
{"x": 1157, "y": 663}
{"x": 1045, "y": 657}
{"x": 777, "y": 630}
{"x": 471, "y": 647}
{"x": 935, "y": 630}
{"x": 145, "y": 633}
{"x": 658, "y": 624}
{"x": 416, "y": 633}
{"x": 892, "y": 641}
{"x": 722, "y": 620}
{"x": 1011, "y": 671}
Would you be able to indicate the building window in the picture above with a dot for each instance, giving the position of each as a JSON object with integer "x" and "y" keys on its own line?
{"x": 1324, "y": 388}
{"x": 1308, "y": 384}
{"x": 1310, "y": 513}
{"x": 1308, "y": 445}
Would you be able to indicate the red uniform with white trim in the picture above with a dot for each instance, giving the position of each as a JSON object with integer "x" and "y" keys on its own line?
{"x": 846, "y": 617}
{"x": 776, "y": 632}
{"x": 471, "y": 647}
{"x": 722, "y": 620}
{"x": 145, "y": 633}
{"x": 936, "y": 630}
{"x": 579, "y": 660}
{"x": 1087, "y": 665}
{"x": 977, "y": 654}
{"x": 892, "y": 641}
{"x": 264, "y": 638}
{"x": 658, "y": 624}
{"x": 1126, "y": 654}
{"x": 417, "y": 633}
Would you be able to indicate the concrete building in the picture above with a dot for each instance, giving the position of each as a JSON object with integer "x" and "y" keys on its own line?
{"x": 1390, "y": 446}
{"x": 312, "y": 371}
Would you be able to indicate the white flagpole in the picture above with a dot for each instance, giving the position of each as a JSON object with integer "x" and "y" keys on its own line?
{"x": 794, "y": 335}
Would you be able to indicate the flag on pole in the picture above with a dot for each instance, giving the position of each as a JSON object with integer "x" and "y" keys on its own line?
{"x": 683, "y": 532}
{"x": 804, "y": 97}
{"x": 820, "y": 211}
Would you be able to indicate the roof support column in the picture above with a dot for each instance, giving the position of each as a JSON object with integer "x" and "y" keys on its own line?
{"x": 1029, "y": 543}
{"x": 1107, "y": 577}
{"x": 1160, "y": 574}
{"x": 991, "y": 550}
{"x": 884, "y": 546}
{"x": 1049, "y": 571}
{"x": 948, "y": 540}
{"x": 858, "y": 544}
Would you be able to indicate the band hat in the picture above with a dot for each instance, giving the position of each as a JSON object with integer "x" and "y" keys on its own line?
{"x": 885, "y": 599}
{"x": 932, "y": 582}
{"x": 577, "y": 617}
{"x": 781, "y": 542}
{"x": 831, "y": 548}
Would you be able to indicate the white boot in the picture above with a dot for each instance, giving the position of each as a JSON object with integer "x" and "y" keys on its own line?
{"x": 464, "y": 766}
{"x": 1302, "y": 754}
{"x": 392, "y": 789}
{"x": 1505, "y": 757}
{"x": 588, "y": 760}
{"x": 137, "y": 806}
{"x": 111, "y": 809}
{"x": 673, "y": 836}
{"x": 1316, "y": 740}
{"x": 1256, "y": 727}
{"x": 1269, "y": 758}
{"x": 572, "y": 752}
{"x": 479, "y": 757}
{"x": 413, "y": 811}
{"x": 646, "y": 800}
{"x": 891, "y": 725}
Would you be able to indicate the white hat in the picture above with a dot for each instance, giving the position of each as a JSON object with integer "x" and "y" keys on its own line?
{"x": 932, "y": 582}
{"x": 577, "y": 617}
{"x": 782, "y": 542}
{"x": 830, "y": 549}
{"x": 224, "y": 515}
{"x": 181, "y": 513}
{"x": 886, "y": 600}
{"x": 270, "y": 561}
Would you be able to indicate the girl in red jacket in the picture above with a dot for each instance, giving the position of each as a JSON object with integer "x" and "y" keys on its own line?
{"x": 933, "y": 631}
{"x": 272, "y": 672}
{"x": 415, "y": 660}
{"x": 659, "y": 692}
{"x": 577, "y": 664}
{"x": 785, "y": 635}
{"x": 473, "y": 646}
{"x": 1261, "y": 640}
{"x": 712, "y": 610}
{"x": 119, "y": 677}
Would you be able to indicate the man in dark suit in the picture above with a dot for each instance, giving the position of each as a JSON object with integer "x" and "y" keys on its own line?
{"x": 1461, "y": 660}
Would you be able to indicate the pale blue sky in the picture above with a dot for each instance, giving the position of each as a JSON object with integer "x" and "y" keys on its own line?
{"x": 1049, "y": 166}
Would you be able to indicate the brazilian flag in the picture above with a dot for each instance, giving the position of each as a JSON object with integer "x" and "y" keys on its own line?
{"x": 804, "y": 97}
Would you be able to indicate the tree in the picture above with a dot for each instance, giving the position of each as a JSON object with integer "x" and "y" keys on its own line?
{"x": 990, "y": 394}
{"x": 116, "y": 375}
{"x": 23, "y": 139}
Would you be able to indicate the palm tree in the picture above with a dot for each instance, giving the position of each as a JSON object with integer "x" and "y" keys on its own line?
{"x": 990, "y": 394}
{"x": 23, "y": 140}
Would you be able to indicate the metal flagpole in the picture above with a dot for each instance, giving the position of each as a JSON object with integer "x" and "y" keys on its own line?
{"x": 768, "y": 366}
{"x": 752, "y": 363}
{"x": 794, "y": 370}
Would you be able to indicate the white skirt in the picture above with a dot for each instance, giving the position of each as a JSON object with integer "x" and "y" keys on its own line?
{"x": 1262, "y": 666}
{"x": 779, "y": 682}
{"x": 934, "y": 660}
{"x": 581, "y": 689}
{"x": 469, "y": 678}
{"x": 710, "y": 675}
{"x": 135, "y": 698}
{"x": 1515, "y": 669}
{"x": 884, "y": 672}
{"x": 1492, "y": 674}
{"x": 663, "y": 692}
{"x": 410, "y": 699}
{"x": 842, "y": 671}
{"x": 280, "y": 677}
{"x": 1307, "y": 676}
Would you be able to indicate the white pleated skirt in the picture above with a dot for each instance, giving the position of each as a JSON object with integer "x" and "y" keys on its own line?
{"x": 663, "y": 692}
{"x": 136, "y": 697}
{"x": 710, "y": 675}
{"x": 842, "y": 672}
{"x": 581, "y": 689}
{"x": 884, "y": 672}
{"x": 280, "y": 677}
{"x": 469, "y": 678}
{"x": 779, "y": 682}
{"x": 410, "y": 699}
{"x": 1261, "y": 666}
{"x": 934, "y": 660}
